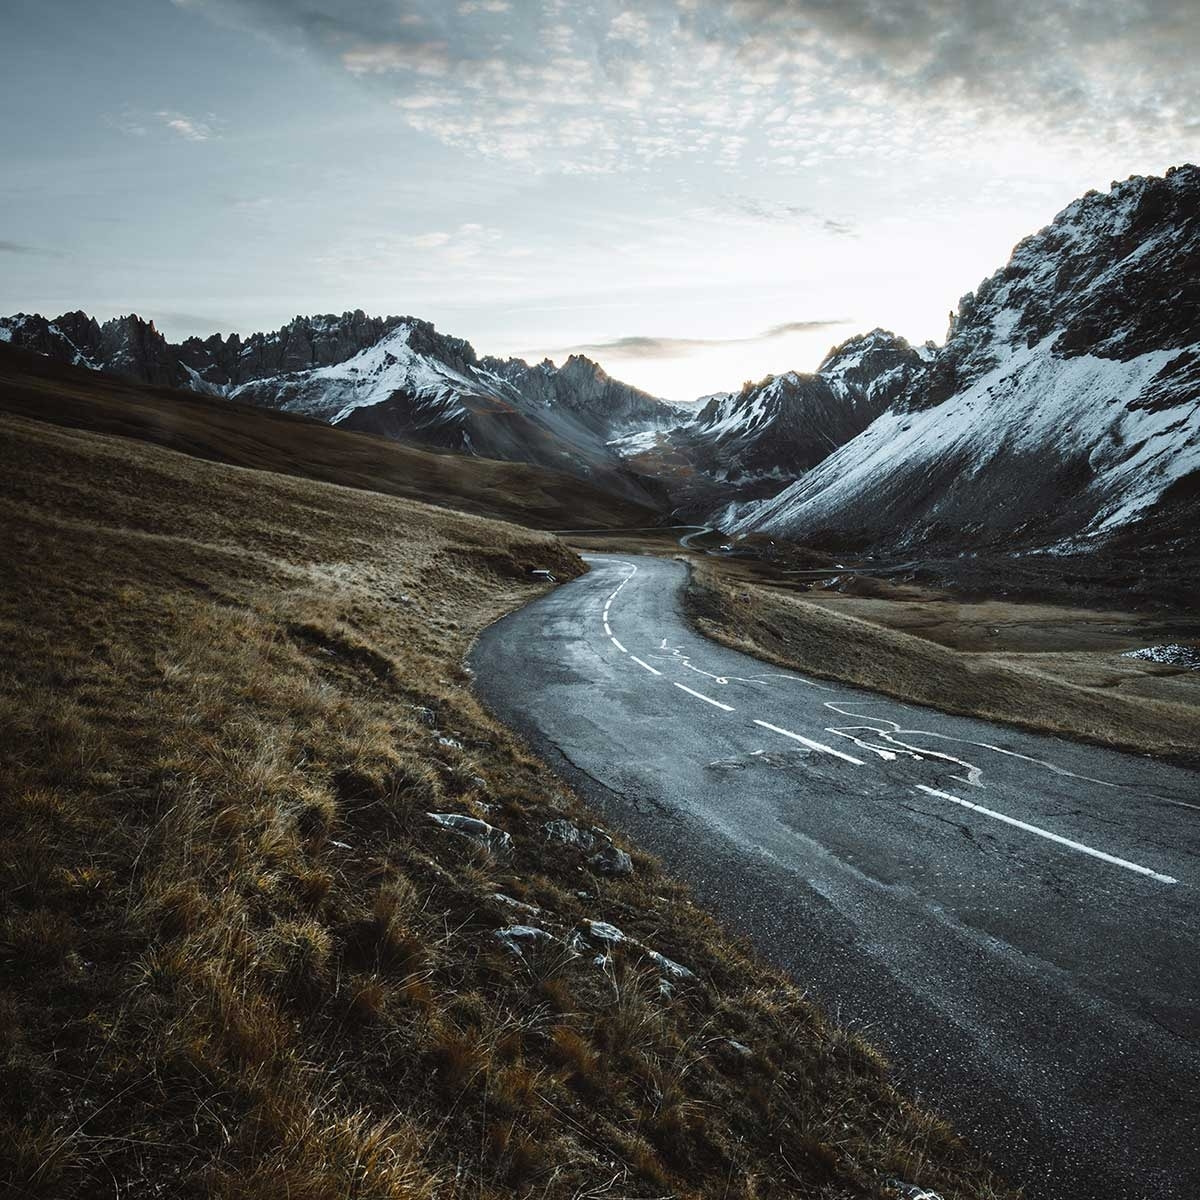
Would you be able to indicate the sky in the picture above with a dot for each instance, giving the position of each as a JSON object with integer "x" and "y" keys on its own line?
{"x": 694, "y": 193}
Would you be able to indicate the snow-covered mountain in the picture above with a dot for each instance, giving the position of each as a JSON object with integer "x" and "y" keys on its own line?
{"x": 396, "y": 376}
{"x": 1064, "y": 406}
{"x": 400, "y": 377}
{"x": 788, "y": 423}
{"x": 735, "y": 447}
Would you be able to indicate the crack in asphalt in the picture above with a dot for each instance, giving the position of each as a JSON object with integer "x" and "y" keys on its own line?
{"x": 635, "y": 801}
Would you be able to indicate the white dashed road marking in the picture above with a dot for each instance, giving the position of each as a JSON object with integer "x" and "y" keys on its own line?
{"x": 1045, "y": 833}
{"x": 974, "y": 773}
{"x": 706, "y": 699}
{"x": 858, "y": 762}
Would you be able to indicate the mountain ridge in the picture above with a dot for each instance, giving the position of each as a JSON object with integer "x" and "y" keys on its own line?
{"x": 1063, "y": 408}
{"x": 395, "y": 376}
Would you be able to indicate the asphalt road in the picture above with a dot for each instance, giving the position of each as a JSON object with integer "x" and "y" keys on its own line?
{"x": 1012, "y": 917}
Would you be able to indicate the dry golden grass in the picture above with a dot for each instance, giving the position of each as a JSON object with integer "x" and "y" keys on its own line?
{"x": 238, "y": 960}
{"x": 832, "y": 637}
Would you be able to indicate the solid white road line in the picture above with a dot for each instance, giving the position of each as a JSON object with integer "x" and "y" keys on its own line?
{"x": 640, "y": 663}
{"x": 617, "y": 644}
{"x": 702, "y": 696}
{"x": 1045, "y": 833}
{"x": 1183, "y": 804}
{"x": 858, "y": 762}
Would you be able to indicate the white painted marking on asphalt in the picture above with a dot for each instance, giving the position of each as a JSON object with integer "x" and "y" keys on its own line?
{"x": 675, "y": 654}
{"x": 886, "y": 755}
{"x": 702, "y": 696}
{"x": 1182, "y": 804}
{"x": 796, "y": 737}
{"x": 974, "y": 774}
{"x": 1045, "y": 833}
{"x": 974, "y": 771}
{"x": 608, "y": 604}
{"x": 640, "y": 663}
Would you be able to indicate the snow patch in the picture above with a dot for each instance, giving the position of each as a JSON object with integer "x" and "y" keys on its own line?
{"x": 632, "y": 444}
{"x": 1174, "y": 654}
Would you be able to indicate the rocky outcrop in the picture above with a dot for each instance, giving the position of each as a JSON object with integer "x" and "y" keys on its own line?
{"x": 583, "y": 387}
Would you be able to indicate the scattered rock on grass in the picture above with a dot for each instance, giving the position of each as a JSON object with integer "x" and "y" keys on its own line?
{"x": 607, "y": 860}
{"x": 610, "y": 936}
{"x": 519, "y": 938}
{"x": 514, "y": 903}
{"x": 565, "y": 833}
{"x": 1174, "y": 654}
{"x": 910, "y": 1191}
{"x": 611, "y": 860}
{"x": 488, "y": 836}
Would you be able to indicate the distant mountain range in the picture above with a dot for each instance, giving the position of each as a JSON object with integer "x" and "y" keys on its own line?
{"x": 395, "y": 376}
{"x": 1063, "y": 409}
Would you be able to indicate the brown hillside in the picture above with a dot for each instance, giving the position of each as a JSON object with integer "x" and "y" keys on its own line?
{"x": 242, "y": 436}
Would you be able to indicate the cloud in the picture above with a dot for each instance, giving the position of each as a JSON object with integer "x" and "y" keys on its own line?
{"x": 129, "y": 123}
{"x": 644, "y": 347}
{"x": 790, "y": 327}
{"x": 136, "y": 123}
{"x": 464, "y": 243}
{"x": 791, "y": 83}
{"x": 26, "y": 251}
{"x": 189, "y": 128}
{"x": 778, "y": 213}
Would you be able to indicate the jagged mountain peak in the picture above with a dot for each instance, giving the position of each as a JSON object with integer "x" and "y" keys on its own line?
{"x": 1064, "y": 406}
{"x": 1094, "y": 277}
{"x": 859, "y": 344}
{"x": 396, "y": 375}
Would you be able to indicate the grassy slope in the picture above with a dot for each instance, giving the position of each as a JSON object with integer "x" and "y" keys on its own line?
{"x": 788, "y": 630}
{"x": 237, "y": 958}
{"x": 216, "y": 429}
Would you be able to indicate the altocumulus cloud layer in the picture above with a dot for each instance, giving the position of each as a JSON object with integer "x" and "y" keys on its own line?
{"x": 598, "y": 86}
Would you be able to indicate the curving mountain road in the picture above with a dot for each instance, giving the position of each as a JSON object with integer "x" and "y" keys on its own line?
{"x": 1012, "y": 917}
